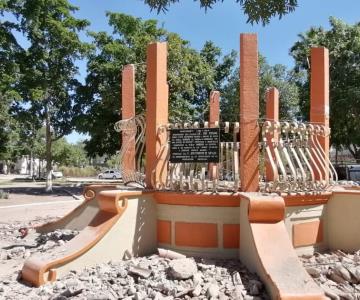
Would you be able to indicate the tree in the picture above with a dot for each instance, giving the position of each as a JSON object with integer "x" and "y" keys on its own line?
{"x": 48, "y": 66}
{"x": 258, "y": 11}
{"x": 343, "y": 42}
{"x": 222, "y": 68}
{"x": 71, "y": 155}
{"x": 191, "y": 75}
{"x": 286, "y": 82}
{"x": 269, "y": 76}
{"x": 9, "y": 76}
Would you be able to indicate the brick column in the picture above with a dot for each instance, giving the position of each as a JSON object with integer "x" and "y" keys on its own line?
{"x": 214, "y": 116}
{"x": 319, "y": 95}
{"x": 156, "y": 109}
{"x": 127, "y": 112}
{"x": 272, "y": 114}
{"x": 249, "y": 113}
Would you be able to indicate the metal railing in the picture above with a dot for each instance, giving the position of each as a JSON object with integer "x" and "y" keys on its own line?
{"x": 133, "y": 139}
{"x": 291, "y": 158}
{"x": 295, "y": 157}
{"x": 200, "y": 176}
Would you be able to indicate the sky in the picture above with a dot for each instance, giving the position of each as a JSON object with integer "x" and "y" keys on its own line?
{"x": 223, "y": 24}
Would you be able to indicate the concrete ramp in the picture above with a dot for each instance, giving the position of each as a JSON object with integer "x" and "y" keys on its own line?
{"x": 81, "y": 216}
{"x": 266, "y": 249}
{"x": 123, "y": 221}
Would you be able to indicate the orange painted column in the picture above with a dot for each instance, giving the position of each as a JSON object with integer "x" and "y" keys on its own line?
{"x": 156, "y": 111}
{"x": 214, "y": 116}
{"x": 214, "y": 112}
{"x": 319, "y": 95}
{"x": 249, "y": 113}
{"x": 272, "y": 114}
{"x": 127, "y": 112}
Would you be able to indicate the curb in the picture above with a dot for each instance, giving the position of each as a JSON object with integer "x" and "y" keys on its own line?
{"x": 81, "y": 198}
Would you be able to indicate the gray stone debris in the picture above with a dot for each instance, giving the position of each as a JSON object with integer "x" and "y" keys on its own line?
{"x": 336, "y": 272}
{"x": 152, "y": 277}
{"x": 182, "y": 268}
{"x": 213, "y": 291}
{"x": 117, "y": 280}
{"x": 170, "y": 254}
{"x": 15, "y": 246}
{"x": 142, "y": 272}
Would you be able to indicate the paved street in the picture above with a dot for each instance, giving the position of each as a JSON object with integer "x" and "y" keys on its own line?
{"x": 27, "y": 200}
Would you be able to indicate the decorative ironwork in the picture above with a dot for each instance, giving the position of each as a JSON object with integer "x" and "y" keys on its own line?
{"x": 132, "y": 148}
{"x": 200, "y": 176}
{"x": 293, "y": 152}
{"x": 290, "y": 150}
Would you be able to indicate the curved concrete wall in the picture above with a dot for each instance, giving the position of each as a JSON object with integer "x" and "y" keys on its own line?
{"x": 135, "y": 232}
{"x": 343, "y": 221}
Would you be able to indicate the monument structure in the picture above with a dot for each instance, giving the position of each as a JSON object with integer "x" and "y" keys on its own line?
{"x": 265, "y": 194}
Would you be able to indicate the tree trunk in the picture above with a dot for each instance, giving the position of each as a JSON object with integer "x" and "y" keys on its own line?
{"x": 48, "y": 151}
{"x": 357, "y": 154}
{"x": 5, "y": 167}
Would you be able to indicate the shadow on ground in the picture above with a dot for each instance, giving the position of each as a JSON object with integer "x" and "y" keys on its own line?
{"x": 36, "y": 191}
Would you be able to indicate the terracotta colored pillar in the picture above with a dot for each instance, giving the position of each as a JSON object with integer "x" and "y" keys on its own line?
{"x": 156, "y": 111}
{"x": 249, "y": 113}
{"x": 127, "y": 112}
{"x": 272, "y": 114}
{"x": 319, "y": 95}
{"x": 214, "y": 116}
{"x": 214, "y": 111}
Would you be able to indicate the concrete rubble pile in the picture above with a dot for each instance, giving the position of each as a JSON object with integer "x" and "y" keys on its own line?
{"x": 17, "y": 242}
{"x": 168, "y": 275}
{"x": 337, "y": 272}
{"x": 150, "y": 277}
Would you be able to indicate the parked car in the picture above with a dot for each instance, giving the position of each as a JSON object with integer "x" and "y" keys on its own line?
{"x": 54, "y": 175}
{"x": 57, "y": 174}
{"x": 110, "y": 174}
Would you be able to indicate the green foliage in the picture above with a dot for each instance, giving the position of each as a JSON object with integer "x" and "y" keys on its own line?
{"x": 9, "y": 76}
{"x": 269, "y": 76}
{"x": 285, "y": 81}
{"x": 191, "y": 76}
{"x": 47, "y": 66}
{"x": 78, "y": 172}
{"x": 258, "y": 11}
{"x": 343, "y": 42}
{"x": 112, "y": 162}
{"x": 62, "y": 152}
{"x": 67, "y": 154}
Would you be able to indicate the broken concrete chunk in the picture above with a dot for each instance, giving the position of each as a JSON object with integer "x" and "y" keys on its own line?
{"x": 182, "y": 268}
{"x": 236, "y": 278}
{"x": 342, "y": 272}
{"x": 141, "y": 272}
{"x": 213, "y": 291}
{"x": 170, "y": 254}
{"x": 197, "y": 291}
{"x": 313, "y": 272}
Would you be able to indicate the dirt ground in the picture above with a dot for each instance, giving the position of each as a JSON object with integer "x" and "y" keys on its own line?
{"x": 29, "y": 205}
{"x": 28, "y": 202}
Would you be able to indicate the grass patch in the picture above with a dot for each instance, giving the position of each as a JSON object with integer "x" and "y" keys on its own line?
{"x": 78, "y": 172}
{"x": 6, "y": 182}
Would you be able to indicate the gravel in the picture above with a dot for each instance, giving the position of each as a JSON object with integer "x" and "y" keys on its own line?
{"x": 337, "y": 272}
{"x": 19, "y": 241}
{"x": 138, "y": 278}
{"x": 215, "y": 279}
